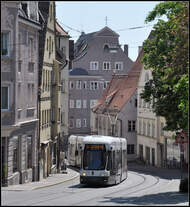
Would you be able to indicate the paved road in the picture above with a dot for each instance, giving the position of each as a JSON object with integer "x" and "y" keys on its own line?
{"x": 142, "y": 187}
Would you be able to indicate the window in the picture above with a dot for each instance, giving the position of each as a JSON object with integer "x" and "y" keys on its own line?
{"x": 19, "y": 46}
{"x": 144, "y": 128}
{"x": 146, "y": 77}
{"x": 71, "y": 104}
{"x": 106, "y": 48}
{"x": 19, "y": 113}
{"x": 78, "y": 123}
{"x": 78, "y": 84}
{"x": 153, "y": 129}
{"x": 30, "y": 67}
{"x": 140, "y": 102}
{"x": 92, "y": 102}
{"x": 131, "y": 126}
{"x": 62, "y": 118}
{"x": 63, "y": 49}
{"x": 71, "y": 84}
{"x": 162, "y": 131}
{"x": 59, "y": 114}
{"x": 5, "y": 43}
{"x": 31, "y": 47}
{"x": 148, "y": 129}
{"x": 144, "y": 103}
{"x": 94, "y": 85}
{"x": 106, "y": 84}
{"x": 51, "y": 13}
{"x": 30, "y": 112}
{"x": 135, "y": 102}
{"x": 5, "y": 98}
{"x": 119, "y": 65}
{"x": 63, "y": 86}
{"x": 140, "y": 125}
{"x": 47, "y": 44}
{"x": 15, "y": 154}
{"x": 94, "y": 65}
{"x": 106, "y": 66}
{"x": 19, "y": 66}
{"x": 84, "y": 104}
{"x": 54, "y": 153}
{"x": 71, "y": 123}
{"x": 29, "y": 152}
{"x": 78, "y": 104}
{"x": 84, "y": 84}
{"x": 84, "y": 123}
{"x": 130, "y": 149}
{"x": 19, "y": 95}
{"x": 134, "y": 126}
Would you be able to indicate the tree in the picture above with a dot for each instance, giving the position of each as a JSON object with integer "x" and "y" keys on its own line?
{"x": 166, "y": 54}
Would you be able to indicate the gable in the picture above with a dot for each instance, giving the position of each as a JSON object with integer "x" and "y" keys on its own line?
{"x": 106, "y": 31}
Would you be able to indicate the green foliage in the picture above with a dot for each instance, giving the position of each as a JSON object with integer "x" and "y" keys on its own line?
{"x": 166, "y": 54}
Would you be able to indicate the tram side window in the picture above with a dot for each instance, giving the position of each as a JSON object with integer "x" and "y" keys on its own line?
{"x": 118, "y": 159}
{"x": 109, "y": 165}
{"x": 114, "y": 161}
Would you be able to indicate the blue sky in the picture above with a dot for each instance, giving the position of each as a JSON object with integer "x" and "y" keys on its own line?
{"x": 89, "y": 16}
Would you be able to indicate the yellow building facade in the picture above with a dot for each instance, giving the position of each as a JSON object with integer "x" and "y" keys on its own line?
{"x": 45, "y": 104}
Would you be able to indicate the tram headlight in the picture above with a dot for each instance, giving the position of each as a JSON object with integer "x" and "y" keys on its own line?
{"x": 102, "y": 174}
{"x": 83, "y": 174}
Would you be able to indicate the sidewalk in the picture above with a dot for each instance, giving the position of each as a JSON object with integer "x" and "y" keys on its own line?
{"x": 53, "y": 179}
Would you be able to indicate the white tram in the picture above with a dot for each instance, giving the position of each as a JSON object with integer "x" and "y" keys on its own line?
{"x": 101, "y": 159}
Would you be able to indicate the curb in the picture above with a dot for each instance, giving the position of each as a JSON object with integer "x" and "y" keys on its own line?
{"x": 44, "y": 186}
{"x": 35, "y": 188}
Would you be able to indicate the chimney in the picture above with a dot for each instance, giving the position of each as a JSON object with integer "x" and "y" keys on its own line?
{"x": 139, "y": 49}
{"x": 126, "y": 49}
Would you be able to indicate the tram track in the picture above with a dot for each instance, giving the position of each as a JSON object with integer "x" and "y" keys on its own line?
{"x": 126, "y": 188}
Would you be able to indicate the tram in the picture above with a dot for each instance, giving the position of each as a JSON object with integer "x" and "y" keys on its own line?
{"x": 101, "y": 159}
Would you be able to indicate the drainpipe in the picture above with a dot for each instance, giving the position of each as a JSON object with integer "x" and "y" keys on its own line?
{"x": 38, "y": 114}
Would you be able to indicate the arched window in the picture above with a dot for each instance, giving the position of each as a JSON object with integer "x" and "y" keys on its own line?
{"x": 47, "y": 43}
{"x": 106, "y": 48}
{"x": 51, "y": 12}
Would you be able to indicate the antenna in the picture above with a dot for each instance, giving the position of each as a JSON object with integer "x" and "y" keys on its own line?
{"x": 106, "y": 19}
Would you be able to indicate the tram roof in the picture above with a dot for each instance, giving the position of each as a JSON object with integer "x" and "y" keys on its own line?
{"x": 98, "y": 139}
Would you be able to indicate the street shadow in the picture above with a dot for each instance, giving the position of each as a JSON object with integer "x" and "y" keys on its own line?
{"x": 91, "y": 185}
{"x": 170, "y": 198}
{"x": 159, "y": 172}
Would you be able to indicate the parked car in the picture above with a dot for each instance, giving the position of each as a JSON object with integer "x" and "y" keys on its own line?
{"x": 183, "y": 187}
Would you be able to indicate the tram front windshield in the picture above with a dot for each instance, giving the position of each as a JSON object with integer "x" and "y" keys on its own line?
{"x": 94, "y": 157}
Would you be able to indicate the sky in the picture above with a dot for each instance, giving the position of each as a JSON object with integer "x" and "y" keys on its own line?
{"x": 122, "y": 17}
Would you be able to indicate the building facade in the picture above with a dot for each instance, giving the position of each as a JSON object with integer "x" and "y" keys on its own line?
{"x": 115, "y": 113}
{"x": 62, "y": 56}
{"x": 95, "y": 54}
{"x": 47, "y": 109}
{"x": 19, "y": 71}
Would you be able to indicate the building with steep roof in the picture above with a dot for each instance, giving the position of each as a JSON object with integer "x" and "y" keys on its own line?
{"x": 97, "y": 56}
{"x": 20, "y": 28}
{"x": 62, "y": 56}
{"x": 49, "y": 104}
{"x": 115, "y": 113}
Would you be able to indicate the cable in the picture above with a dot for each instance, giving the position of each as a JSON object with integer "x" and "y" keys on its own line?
{"x": 140, "y": 27}
{"x": 68, "y": 26}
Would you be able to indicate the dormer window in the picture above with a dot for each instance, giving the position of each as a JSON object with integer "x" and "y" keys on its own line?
{"x": 106, "y": 48}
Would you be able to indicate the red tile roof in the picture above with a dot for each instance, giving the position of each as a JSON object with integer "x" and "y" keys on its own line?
{"x": 60, "y": 30}
{"x": 120, "y": 89}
